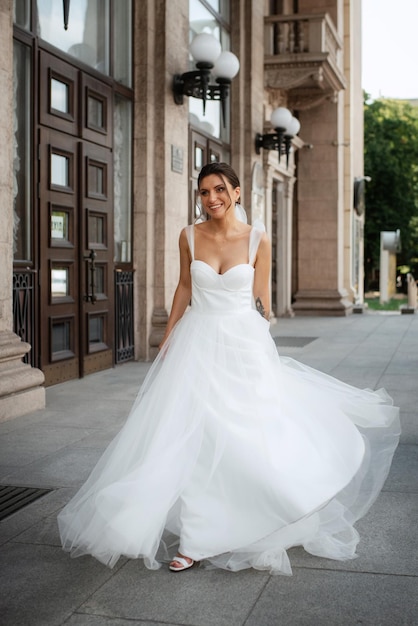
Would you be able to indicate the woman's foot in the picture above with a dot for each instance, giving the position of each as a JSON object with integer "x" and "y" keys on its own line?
{"x": 180, "y": 563}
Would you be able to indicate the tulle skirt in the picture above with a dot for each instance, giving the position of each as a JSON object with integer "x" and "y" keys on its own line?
{"x": 232, "y": 455}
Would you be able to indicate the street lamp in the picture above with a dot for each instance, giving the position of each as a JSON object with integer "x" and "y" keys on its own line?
{"x": 286, "y": 127}
{"x": 210, "y": 61}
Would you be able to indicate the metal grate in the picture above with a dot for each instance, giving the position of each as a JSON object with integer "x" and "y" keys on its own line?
{"x": 24, "y": 311}
{"x": 13, "y": 499}
{"x": 293, "y": 342}
{"x": 124, "y": 325}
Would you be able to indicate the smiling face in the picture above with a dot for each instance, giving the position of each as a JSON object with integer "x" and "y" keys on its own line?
{"x": 217, "y": 195}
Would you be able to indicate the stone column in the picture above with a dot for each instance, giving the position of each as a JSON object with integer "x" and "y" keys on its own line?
{"x": 247, "y": 42}
{"x": 144, "y": 204}
{"x": 284, "y": 180}
{"x": 161, "y": 184}
{"x": 353, "y": 153}
{"x": 321, "y": 288}
{"x": 21, "y": 388}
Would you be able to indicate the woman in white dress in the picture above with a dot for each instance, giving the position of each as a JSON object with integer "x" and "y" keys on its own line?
{"x": 230, "y": 452}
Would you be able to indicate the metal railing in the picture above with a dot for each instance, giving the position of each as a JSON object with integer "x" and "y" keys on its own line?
{"x": 24, "y": 311}
{"x": 302, "y": 34}
{"x": 124, "y": 316}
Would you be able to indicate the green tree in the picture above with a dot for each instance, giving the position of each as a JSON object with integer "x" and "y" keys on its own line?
{"x": 413, "y": 229}
{"x": 391, "y": 159}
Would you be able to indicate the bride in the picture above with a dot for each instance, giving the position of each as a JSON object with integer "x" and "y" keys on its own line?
{"x": 231, "y": 453}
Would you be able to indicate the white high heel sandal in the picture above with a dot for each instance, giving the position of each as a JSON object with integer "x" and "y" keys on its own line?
{"x": 183, "y": 563}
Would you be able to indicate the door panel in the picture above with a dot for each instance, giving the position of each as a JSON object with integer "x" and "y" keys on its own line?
{"x": 75, "y": 222}
{"x": 59, "y": 266}
{"x": 97, "y": 251}
{"x": 215, "y": 152}
{"x": 96, "y": 114}
{"x": 59, "y": 98}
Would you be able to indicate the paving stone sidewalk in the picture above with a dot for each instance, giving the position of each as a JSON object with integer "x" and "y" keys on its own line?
{"x": 56, "y": 448}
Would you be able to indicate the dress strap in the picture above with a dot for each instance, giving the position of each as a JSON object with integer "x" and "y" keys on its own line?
{"x": 190, "y": 239}
{"x": 255, "y": 238}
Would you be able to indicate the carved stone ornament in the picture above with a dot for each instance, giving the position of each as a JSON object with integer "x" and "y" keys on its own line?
{"x": 302, "y": 100}
{"x": 288, "y": 78}
{"x": 315, "y": 73}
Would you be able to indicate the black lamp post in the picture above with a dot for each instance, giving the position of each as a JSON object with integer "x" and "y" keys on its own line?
{"x": 286, "y": 127}
{"x": 210, "y": 60}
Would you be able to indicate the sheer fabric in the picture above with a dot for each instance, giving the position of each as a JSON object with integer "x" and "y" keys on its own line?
{"x": 230, "y": 453}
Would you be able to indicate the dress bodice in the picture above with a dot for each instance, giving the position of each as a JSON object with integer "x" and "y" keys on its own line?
{"x": 224, "y": 293}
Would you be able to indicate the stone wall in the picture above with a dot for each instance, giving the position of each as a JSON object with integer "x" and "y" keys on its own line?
{"x": 6, "y": 179}
{"x": 320, "y": 213}
{"x": 160, "y": 193}
{"x": 21, "y": 388}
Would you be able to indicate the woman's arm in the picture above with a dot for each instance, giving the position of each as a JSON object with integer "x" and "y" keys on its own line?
{"x": 262, "y": 277}
{"x": 183, "y": 291}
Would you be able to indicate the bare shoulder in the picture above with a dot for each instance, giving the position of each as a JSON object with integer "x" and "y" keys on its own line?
{"x": 183, "y": 234}
{"x": 203, "y": 231}
{"x": 183, "y": 241}
{"x": 202, "y": 227}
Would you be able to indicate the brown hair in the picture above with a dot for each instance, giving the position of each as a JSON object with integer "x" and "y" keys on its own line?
{"x": 222, "y": 169}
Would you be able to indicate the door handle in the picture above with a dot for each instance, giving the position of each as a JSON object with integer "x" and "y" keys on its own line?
{"x": 91, "y": 259}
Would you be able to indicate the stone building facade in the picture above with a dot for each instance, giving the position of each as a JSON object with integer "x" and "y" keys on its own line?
{"x": 99, "y": 167}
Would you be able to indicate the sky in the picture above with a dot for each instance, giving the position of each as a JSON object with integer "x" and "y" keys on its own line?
{"x": 390, "y": 48}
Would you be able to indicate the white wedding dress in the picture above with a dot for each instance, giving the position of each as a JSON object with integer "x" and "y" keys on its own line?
{"x": 231, "y": 453}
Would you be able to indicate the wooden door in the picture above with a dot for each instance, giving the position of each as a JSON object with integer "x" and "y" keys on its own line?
{"x": 59, "y": 265}
{"x": 75, "y": 226}
{"x": 96, "y": 259}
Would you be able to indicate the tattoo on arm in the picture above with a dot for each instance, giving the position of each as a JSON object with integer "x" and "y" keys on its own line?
{"x": 259, "y": 307}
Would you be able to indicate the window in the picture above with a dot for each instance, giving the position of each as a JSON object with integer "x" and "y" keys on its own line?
{"x": 21, "y": 13}
{"x": 122, "y": 126}
{"x": 122, "y": 47}
{"x": 59, "y": 282}
{"x": 22, "y": 144}
{"x": 61, "y": 228}
{"x": 99, "y": 35}
{"x": 214, "y": 20}
{"x": 60, "y": 172}
{"x": 87, "y": 36}
{"x": 62, "y": 338}
{"x": 60, "y": 96}
{"x": 92, "y": 25}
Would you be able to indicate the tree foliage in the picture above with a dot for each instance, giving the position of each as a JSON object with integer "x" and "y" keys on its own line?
{"x": 391, "y": 159}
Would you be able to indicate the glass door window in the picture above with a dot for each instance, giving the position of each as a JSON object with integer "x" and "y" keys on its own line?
{"x": 92, "y": 26}
{"x": 87, "y": 36}
{"x": 122, "y": 162}
{"x": 22, "y": 143}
